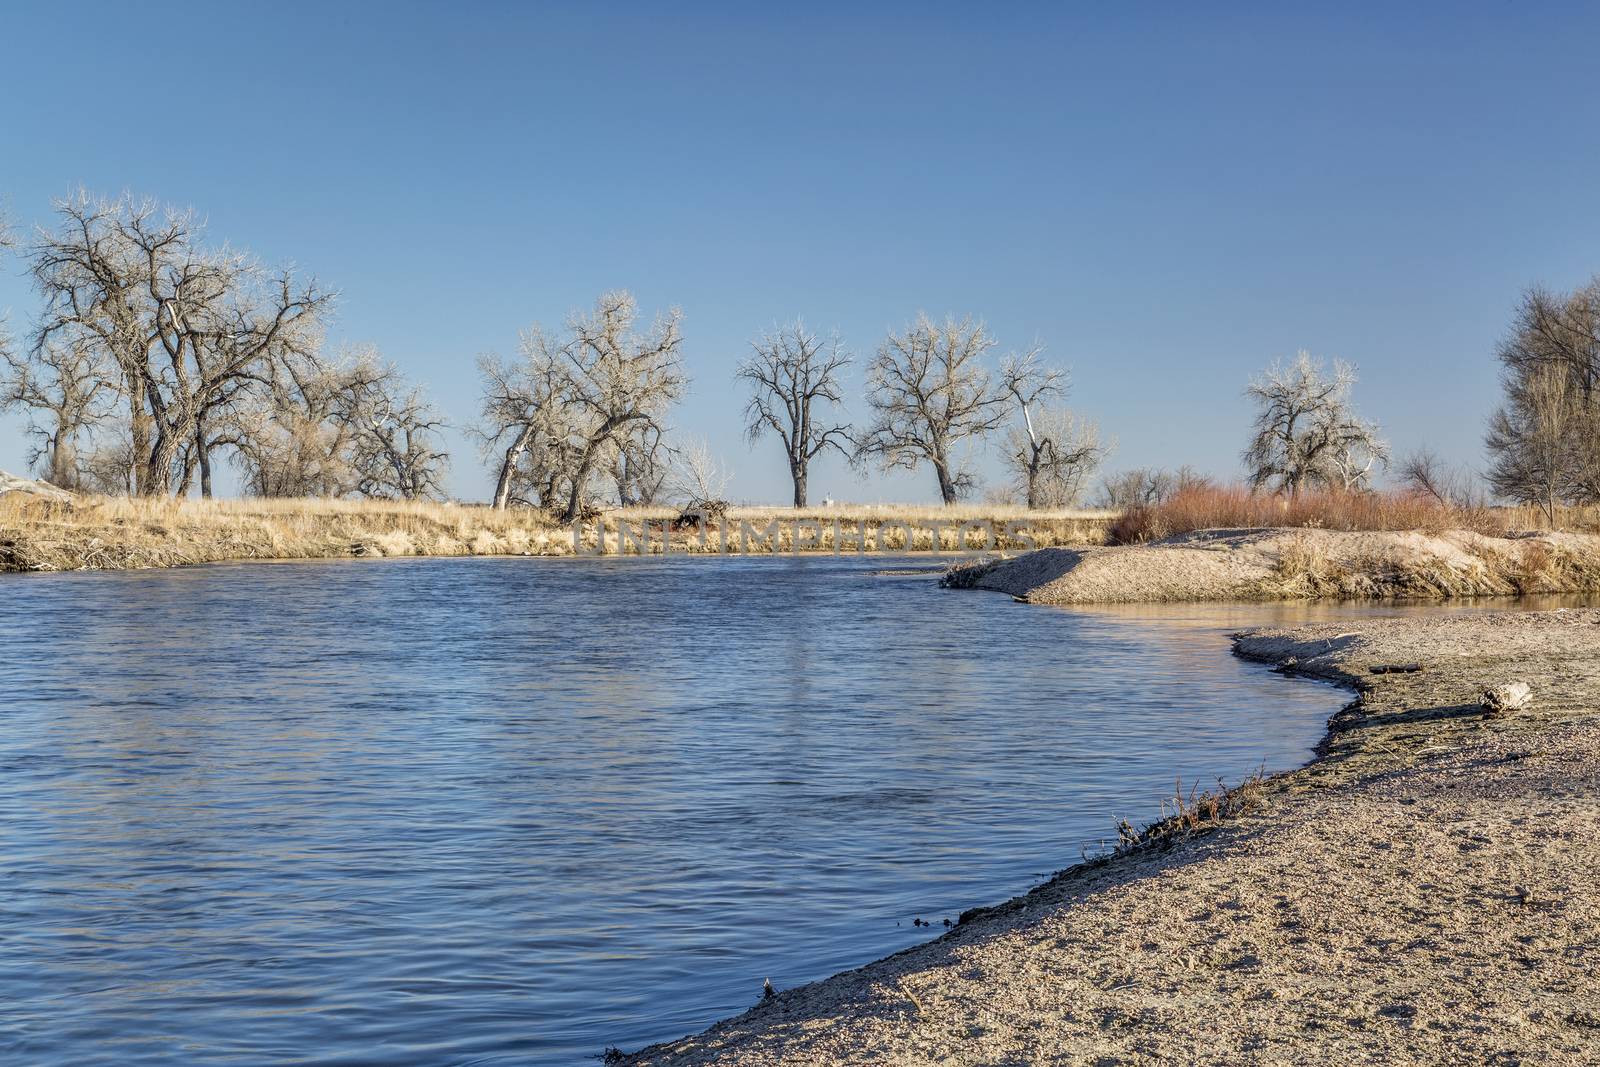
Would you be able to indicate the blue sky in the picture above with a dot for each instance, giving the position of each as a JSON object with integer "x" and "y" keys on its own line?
{"x": 1167, "y": 196}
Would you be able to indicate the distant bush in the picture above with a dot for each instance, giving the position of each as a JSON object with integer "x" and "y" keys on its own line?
{"x": 1207, "y": 507}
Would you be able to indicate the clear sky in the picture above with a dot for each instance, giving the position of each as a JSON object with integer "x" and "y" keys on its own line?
{"x": 1166, "y": 196}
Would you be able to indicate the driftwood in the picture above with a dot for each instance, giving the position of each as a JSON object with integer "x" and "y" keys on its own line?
{"x": 10, "y": 483}
{"x": 701, "y": 513}
{"x": 1502, "y": 699}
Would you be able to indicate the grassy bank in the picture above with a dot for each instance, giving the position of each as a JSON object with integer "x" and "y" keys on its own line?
{"x": 107, "y": 533}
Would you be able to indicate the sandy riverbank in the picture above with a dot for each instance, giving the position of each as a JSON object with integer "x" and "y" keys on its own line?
{"x": 1422, "y": 893}
{"x": 1287, "y": 564}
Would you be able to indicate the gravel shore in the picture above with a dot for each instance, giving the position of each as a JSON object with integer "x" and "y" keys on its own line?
{"x": 1424, "y": 892}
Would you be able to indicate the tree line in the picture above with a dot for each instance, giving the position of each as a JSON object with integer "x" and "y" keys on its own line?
{"x": 154, "y": 354}
{"x": 583, "y": 411}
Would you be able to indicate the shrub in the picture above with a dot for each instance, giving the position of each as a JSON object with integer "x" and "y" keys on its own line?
{"x": 1235, "y": 507}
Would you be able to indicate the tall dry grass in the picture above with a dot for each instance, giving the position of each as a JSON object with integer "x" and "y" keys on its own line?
{"x": 119, "y": 532}
{"x": 1236, "y": 507}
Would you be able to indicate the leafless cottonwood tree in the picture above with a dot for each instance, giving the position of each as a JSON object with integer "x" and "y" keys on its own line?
{"x": 1535, "y": 440}
{"x": 619, "y": 379}
{"x": 1424, "y": 472}
{"x": 66, "y": 390}
{"x": 1053, "y": 457}
{"x": 794, "y": 378}
{"x": 1544, "y": 441}
{"x": 1053, "y": 453}
{"x": 187, "y": 328}
{"x": 575, "y": 402}
{"x": 394, "y": 440}
{"x": 1306, "y": 432}
{"x": 525, "y": 420}
{"x": 296, "y": 433}
{"x": 930, "y": 392}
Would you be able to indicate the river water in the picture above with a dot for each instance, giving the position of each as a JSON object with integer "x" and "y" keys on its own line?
{"x": 514, "y": 811}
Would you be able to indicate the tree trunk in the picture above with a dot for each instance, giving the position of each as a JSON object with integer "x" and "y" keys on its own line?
{"x": 574, "y": 506}
{"x": 63, "y": 460}
{"x": 624, "y": 480}
{"x": 579, "y": 478}
{"x": 502, "y": 488}
{"x": 203, "y": 453}
{"x": 138, "y": 432}
{"x": 798, "y": 471}
{"x": 157, "y": 478}
{"x": 947, "y": 487}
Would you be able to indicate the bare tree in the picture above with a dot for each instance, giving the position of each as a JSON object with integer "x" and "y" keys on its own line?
{"x": 618, "y": 379}
{"x": 574, "y": 404}
{"x": 1533, "y": 439}
{"x": 1053, "y": 457}
{"x": 1147, "y": 486}
{"x": 296, "y": 433}
{"x": 187, "y": 328}
{"x": 930, "y": 393}
{"x": 1426, "y": 473}
{"x": 394, "y": 440}
{"x": 526, "y": 420}
{"x": 1544, "y": 441}
{"x": 67, "y": 390}
{"x": 1053, "y": 454}
{"x": 792, "y": 374}
{"x": 698, "y": 476}
{"x": 1306, "y": 432}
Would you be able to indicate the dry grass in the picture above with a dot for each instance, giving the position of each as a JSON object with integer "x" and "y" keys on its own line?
{"x": 889, "y": 512}
{"x": 118, "y": 532}
{"x": 1235, "y": 507}
{"x": 115, "y": 532}
{"x": 1196, "y": 811}
{"x": 1305, "y": 569}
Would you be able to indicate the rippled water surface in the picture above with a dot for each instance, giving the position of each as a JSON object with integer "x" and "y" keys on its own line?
{"x": 514, "y": 811}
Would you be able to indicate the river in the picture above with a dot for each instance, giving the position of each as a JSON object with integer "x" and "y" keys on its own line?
{"x": 496, "y": 811}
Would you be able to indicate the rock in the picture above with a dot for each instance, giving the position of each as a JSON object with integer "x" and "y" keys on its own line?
{"x": 10, "y": 483}
{"x": 1511, "y": 696}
